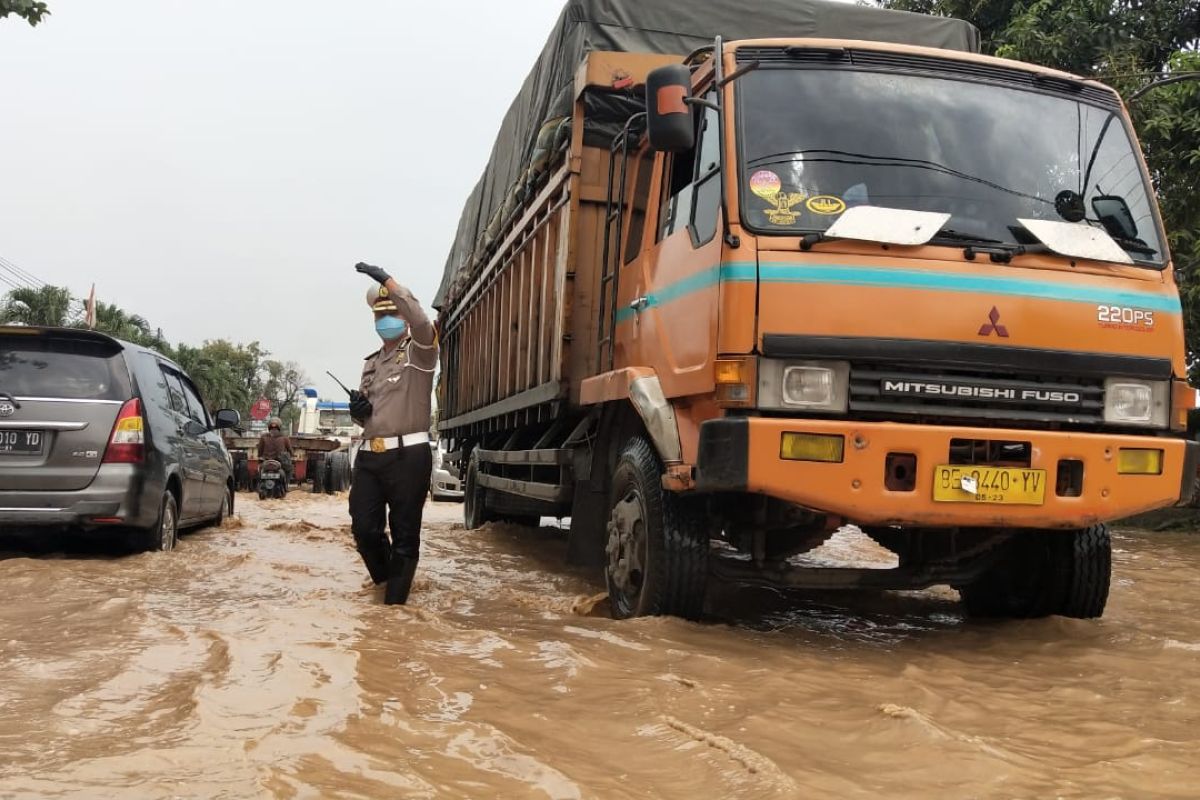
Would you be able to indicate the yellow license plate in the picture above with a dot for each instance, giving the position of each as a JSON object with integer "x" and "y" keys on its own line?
{"x": 1004, "y": 485}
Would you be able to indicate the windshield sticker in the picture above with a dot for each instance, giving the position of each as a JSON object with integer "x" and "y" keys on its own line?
{"x": 826, "y": 205}
{"x": 765, "y": 184}
{"x": 782, "y": 214}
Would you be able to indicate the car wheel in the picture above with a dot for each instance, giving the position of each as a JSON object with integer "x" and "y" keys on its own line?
{"x": 223, "y": 512}
{"x": 165, "y": 533}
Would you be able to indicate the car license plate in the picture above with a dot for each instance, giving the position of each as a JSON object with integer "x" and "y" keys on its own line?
{"x": 21, "y": 443}
{"x": 1003, "y": 485}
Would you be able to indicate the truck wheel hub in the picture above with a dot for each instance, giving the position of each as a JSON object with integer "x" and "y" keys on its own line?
{"x": 626, "y": 539}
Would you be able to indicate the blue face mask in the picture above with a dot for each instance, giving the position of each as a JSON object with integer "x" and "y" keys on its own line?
{"x": 390, "y": 328}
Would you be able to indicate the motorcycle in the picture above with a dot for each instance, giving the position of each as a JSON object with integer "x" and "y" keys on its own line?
{"x": 272, "y": 480}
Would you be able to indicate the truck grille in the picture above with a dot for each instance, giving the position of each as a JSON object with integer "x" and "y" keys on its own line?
{"x": 890, "y": 389}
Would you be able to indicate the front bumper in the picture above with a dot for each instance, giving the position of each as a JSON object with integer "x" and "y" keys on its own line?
{"x": 742, "y": 454}
{"x": 115, "y": 493}
{"x": 445, "y": 486}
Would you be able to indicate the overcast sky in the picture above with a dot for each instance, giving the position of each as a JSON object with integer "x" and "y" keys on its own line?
{"x": 219, "y": 167}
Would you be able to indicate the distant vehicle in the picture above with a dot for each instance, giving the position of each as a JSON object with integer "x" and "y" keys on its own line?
{"x": 272, "y": 480}
{"x": 102, "y": 435}
{"x": 445, "y": 483}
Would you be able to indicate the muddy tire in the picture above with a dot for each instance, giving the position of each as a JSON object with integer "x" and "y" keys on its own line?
{"x": 316, "y": 468}
{"x": 225, "y": 510}
{"x": 1090, "y": 560}
{"x": 475, "y": 512}
{"x": 337, "y": 477}
{"x": 164, "y": 535}
{"x": 1041, "y": 573}
{"x": 657, "y": 542}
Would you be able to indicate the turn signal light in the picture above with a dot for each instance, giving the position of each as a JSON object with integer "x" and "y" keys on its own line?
{"x": 1140, "y": 462}
{"x": 127, "y": 445}
{"x": 1183, "y": 400}
{"x": 728, "y": 371}
{"x": 812, "y": 447}
{"x": 735, "y": 379}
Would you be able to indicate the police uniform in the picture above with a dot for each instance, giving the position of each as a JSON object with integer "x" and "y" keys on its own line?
{"x": 393, "y": 464}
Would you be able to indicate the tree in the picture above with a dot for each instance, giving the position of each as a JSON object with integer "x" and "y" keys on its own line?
{"x": 29, "y": 10}
{"x": 1127, "y": 44}
{"x": 48, "y": 306}
{"x": 229, "y": 375}
{"x": 284, "y": 382}
{"x": 115, "y": 321}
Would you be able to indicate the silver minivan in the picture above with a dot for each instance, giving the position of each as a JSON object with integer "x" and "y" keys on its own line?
{"x": 101, "y": 435}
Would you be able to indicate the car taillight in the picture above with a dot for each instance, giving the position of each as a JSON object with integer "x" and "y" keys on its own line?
{"x": 127, "y": 445}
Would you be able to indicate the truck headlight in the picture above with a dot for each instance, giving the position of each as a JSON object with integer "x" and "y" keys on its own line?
{"x": 1134, "y": 402}
{"x": 804, "y": 385}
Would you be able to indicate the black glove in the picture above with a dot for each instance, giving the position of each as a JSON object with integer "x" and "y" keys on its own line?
{"x": 360, "y": 406}
{"x": 372, "y": 271}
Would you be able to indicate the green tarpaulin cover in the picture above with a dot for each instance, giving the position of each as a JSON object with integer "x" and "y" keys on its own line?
{"x": 661, "y": 26}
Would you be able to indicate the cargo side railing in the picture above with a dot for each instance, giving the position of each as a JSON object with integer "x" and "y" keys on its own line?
{"x": 500, "y": 351}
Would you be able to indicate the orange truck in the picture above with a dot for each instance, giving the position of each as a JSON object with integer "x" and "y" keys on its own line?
{"x": 715, "y": 300}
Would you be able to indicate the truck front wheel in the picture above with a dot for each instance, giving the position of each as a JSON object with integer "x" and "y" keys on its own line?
{"x": 1046, "y": 572}
{"x": 657, "y": 543}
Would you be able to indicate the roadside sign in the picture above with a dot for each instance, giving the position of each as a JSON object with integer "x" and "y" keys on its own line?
{"x": 261, "y": 409}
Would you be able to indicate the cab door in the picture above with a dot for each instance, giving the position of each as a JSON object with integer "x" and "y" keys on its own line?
{"x": 675, "y": 316}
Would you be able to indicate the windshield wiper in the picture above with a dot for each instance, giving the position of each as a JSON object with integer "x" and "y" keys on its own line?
{"x": 816, "y": 237}
{"x": 11, "y": 399}
{"x": 1000, "y": 252}
{"x": 1135, "y": 246}
{"x": 949, "y": 234}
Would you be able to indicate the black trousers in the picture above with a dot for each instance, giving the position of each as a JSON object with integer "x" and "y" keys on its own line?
{"x": 389, "y": 487}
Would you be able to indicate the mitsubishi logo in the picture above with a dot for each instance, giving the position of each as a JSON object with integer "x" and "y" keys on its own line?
{"x": 994, "y": 325}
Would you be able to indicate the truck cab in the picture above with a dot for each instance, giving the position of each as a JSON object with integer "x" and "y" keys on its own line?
{"x": 924, "y": 292}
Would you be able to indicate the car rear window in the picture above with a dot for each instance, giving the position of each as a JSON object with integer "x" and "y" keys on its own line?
{"x": 63, "y": 367}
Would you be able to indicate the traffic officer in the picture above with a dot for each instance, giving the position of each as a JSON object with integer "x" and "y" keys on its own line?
{"x": 394, "y": 462}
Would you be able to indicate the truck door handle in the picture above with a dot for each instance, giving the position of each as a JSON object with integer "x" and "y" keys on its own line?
{"x": 640, "y": 303}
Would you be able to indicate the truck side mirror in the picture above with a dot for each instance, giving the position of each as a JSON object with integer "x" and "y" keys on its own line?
{"x": 669, "y": 119}
{"x": 227, "y": 418}
{"x": 1114, "y": 214}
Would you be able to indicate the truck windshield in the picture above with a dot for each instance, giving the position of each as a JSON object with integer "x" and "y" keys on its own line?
{"x": 332, "y": 420}
{"x": 815, "y": 142}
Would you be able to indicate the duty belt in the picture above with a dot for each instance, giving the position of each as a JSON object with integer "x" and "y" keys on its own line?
{"x": 381, "y": 444}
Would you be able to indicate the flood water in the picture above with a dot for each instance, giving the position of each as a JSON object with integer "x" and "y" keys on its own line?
{"x": 253, "y": 662}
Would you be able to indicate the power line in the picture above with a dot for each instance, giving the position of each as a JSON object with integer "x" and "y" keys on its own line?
{"x": 21, "y": 273}
{"x": 12, "y": 280}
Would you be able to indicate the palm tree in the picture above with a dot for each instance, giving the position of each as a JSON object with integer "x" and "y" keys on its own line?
{"x": 116, "y": 321}
{"x": 48, "y": 306}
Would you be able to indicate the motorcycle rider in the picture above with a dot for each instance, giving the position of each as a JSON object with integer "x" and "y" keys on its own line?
{"x": 393, "y": 466}
{"x": 277, "y": 445}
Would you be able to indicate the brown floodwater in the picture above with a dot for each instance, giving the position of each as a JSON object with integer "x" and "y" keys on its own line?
{"x": 252, "y": 662}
